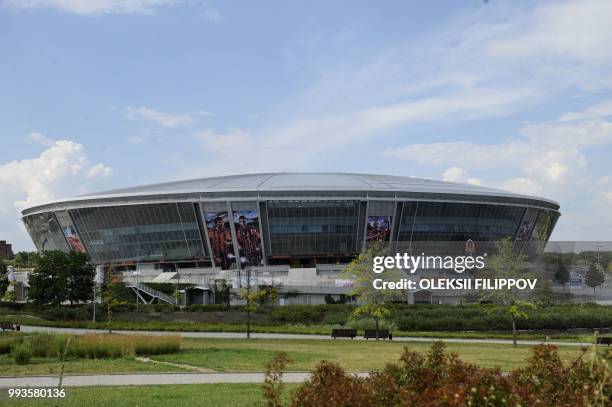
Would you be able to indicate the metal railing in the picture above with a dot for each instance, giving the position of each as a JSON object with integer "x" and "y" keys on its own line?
{"x": 152, "y": 293}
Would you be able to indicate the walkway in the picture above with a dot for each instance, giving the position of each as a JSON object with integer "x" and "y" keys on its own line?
{"x": 240, "y": 335}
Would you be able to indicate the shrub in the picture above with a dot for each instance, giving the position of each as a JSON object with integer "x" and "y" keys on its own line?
{"x": 63, "y": 313}
{"x": 442, "y": 379}
{"x": 156, "y": 345}
{"x": 45, "y": 345}
{"x": 7, "y": 341}
{"x": 369, "y": 323}
{"x": 22, "y": 352}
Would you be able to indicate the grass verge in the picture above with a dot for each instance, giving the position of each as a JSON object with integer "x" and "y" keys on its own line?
{"x": 210, "y": 395}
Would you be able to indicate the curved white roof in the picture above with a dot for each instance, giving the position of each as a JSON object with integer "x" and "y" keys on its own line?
{"x": 274, "y": 182}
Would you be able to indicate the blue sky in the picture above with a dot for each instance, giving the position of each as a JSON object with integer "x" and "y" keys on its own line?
{"x": 98, "y": 94}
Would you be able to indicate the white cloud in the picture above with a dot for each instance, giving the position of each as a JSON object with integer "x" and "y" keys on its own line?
{"x": 578, "y": 30}
{"x": 233, "y": 139}
{"x": 99, "y": 170}
{"x": 60, "y": 170}
{"x": 164, "y": 119}
{"x": 599, "y": 110}
{"x": 93, "y": 7}
{"x": 608, "y": 196}
{"x": 458, "y": 174}
{"x": 39, "y": 138}
{"x": 522, "y": 185}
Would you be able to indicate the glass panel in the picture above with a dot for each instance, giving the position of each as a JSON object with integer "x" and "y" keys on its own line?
{"x": 167, "y": 231}
{"x": 313, "y": 227}
{"x": 46, "y": 232}
{"x": 449, "y": 221}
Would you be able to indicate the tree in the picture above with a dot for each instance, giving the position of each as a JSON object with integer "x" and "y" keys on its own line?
{"x": 49, "y": 278}
{"x": 594, "y": 277}
{"x": 509, "y": 264}
{"x": 372, "y": 301}
{"x": 253, "y": 298}
{"x": 80, "y": 278}
{"x": 60, "y": 277}
{"x": 25, "y": 259}
{"x": 562, "y": 274}
{"x": 4, "y": 281}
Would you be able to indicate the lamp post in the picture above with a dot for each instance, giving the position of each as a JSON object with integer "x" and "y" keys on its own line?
{"x": 136, "y": 274}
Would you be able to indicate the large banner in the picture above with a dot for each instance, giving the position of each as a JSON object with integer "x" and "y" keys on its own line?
{"x": 379, "y": 228}
{"x": 246, "y": 225}
{"x": 220, "y": 237}
{"x": 72, "y": 237}
{"x": 527, "y": 224}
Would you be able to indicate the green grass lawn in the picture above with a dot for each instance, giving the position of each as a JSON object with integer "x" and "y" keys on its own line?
{"x": 209, "y": 395}
{"x": 241, "y": 355}
{"x": 251, "y": 355}
{"x": 310, "y": 329}
{"x": 44, "y": 366}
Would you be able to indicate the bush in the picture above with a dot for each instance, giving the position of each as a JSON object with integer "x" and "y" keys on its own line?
{"x": 442, "y": 379}
{"x": 63, "y": 313}
{"x": 96, "y": 346}
{"x": 22, "y": 352}
{"x": 7, "y": 341}
{"x": 370, "y": 323}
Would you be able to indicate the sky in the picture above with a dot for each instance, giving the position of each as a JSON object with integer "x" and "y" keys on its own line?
{"x": 102, "y": 94}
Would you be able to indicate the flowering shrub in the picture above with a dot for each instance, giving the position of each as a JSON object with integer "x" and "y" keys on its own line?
{"x": 442, "y": 379}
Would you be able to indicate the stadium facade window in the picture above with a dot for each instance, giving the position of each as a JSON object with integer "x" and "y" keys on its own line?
{"x": 140, "y": 232}
{"x": 46, "y": 232}
{"x": 313, "y": 227}
{"x": 453, "y": 221}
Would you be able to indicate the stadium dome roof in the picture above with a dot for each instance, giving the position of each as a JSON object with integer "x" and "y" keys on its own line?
{"x": 306, "y": 182}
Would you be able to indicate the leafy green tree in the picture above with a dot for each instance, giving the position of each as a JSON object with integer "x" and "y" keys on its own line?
{"x": 4, "y": 281}
{"x": 594, "y": 277}
{"x": 509, "y": 264}
{"x": 562, "y": 274}
{"x": 372, "y": 301}
{"x": 80, "y": 275}
{"x": 48, "y": 280}
{"x": 25, "y": 259}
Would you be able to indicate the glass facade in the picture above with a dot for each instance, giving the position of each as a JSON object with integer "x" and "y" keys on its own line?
{"x": 46, "y": 232}
{"x": 163, "y": 231}
{"x": 311, "y": 227}
{"x": 451, "y": 221}
{"x": 269, "y": 230}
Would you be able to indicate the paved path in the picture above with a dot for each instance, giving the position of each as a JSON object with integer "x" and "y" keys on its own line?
{"x": 143, "y": 379}
{"x": 238, "y": 335}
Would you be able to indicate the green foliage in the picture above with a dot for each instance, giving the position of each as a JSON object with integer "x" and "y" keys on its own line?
{"x": 25, "y": 259}
{"x": 94, "y": 346}
{"x": 442, "y": 379}
{"x": 64, "y": 313}
{"x": 60, "y": 277}
{"x": 4, "y": 281}
{"x": 221, "y": 293}
{"x": 562, "y": 274}
{"x": 7, "y": 341}
{"x": 79, "y": 277}
{"x": 48, "y": 281}
{"x": 508, "y": 264}
{"x": 372, "y": 301}
{"x": 272, "y": 388}
{"x": 594, "y": 277}
{"x": 22, "y": 352}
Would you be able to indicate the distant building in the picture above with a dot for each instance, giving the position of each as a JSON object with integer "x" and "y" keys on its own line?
{"x": 6, "y": 250}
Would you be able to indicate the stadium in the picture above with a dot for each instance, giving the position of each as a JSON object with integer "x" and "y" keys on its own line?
{"x": 293, "y": 230}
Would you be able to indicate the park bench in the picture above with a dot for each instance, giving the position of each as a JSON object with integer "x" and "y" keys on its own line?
{"x": 344, "y": 333}
{"x": 604, "y": 340}
{"x": 8, "y": 326}
{"x": 382, "y": 334}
